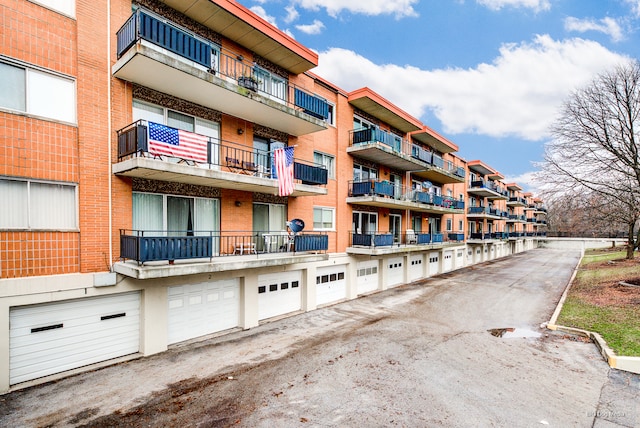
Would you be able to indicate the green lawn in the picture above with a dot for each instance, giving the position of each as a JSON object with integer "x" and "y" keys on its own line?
{"x": 596, "y": 303}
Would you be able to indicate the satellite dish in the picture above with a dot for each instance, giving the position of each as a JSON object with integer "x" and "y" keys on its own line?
{"x": 296, "y": 225}
{"x": 427, "y": 184}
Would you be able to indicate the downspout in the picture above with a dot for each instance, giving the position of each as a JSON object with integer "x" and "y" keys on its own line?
{"x": 109, "y": 180}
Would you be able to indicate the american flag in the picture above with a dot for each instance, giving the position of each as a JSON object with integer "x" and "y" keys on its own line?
{"x": 283, "y": 160}
{"x": 176, "y": 142}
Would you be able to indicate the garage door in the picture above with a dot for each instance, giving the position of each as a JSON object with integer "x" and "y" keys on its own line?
{"x": 416, "y": 267}
{"x": 434, "y": 263}
{"x": 279, "y": 293}
{"x": 331, "y": 284}
{"x": 447, "y": 261}
{"x": 367, "y": 276}
{"x": 395, "y": 271}
{"x": 54, "y": 337}
{"x": 203, "y": 308}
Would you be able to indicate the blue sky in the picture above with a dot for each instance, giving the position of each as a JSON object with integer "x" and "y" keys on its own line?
{"x": 490, "y": 75}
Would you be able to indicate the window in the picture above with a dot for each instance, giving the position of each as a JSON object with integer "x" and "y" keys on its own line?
{"x": 38, "y": 205}
{"x": 178, "y": 215}
{"x": 66, "y": 7}
{"x": 449, "y": 225}
{"x": 323, "y": 218}
{"x": 363, "y": 173}
{"x": 327, "y": 161}
{"x": 360, "y": 123}
{"x": 460, "y": 225}
{"x": 365, "y": 223}
{"x": 331, "y": 117}
{"x": 34, "y": 92}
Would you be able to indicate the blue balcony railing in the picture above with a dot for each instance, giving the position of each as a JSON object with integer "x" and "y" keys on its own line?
{"x": 145, "y": 25}
{"x": 163, "y": 245}
{"x": 133, "y": 140}
{"x": 371, "y": 188}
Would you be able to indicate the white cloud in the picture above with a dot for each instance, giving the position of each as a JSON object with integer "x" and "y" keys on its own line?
{"x": 536, "y": 5}
{"x": 635, "y": 6}
{"x": 607, "y": 26}
{"x": 315, "y": 28}
{"x": 292, "y": 14}
{"x": 529, "y": 181}
{"x": 399, "y": 8}
{"x": 259, "y": 10}
{"x": 517, "y": 95}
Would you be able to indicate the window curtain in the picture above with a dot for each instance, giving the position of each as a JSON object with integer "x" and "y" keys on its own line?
{"x": 12, "y": 87}
{"x": 52, "y": 206}
{"x": 179, "y": 216}
{"x": 149, "y": 112}
{"x": 14, "y": 209}
{"x": 147, "y": 212}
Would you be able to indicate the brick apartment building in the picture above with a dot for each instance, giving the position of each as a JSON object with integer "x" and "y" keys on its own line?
{"x": 141, "y": 204}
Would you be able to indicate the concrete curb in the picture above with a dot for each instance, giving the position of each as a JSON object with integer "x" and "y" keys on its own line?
{"x": 628, "y": 364}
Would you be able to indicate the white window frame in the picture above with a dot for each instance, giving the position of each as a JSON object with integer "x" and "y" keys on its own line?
{"x": 322, "y": 211}
{"x": 31, "y": 99}
{"x": 65, "y": 7}
{"x": 330, "y": 165}
{"x": 331, "y": 118}
{"x": 30, "y": 206}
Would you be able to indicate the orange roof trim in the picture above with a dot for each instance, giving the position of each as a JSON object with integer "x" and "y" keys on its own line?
{"x": 268, "y": 29}
{"x": 383, "y": 102}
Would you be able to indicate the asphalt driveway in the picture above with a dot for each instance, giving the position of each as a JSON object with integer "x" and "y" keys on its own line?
{"x": 462, "y": 349}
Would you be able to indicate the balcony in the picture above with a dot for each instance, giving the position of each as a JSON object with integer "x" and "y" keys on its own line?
{"x": 441, "y": 171}
{"x": 487, "y": 190}
{"x": 384, "y": 148}
{"x": 516, "y": 218}
{"x": 516, "y": 202}
{"x": 484, "y": 212}
{"x": 159, "y": 54}
{"x": 382, "y": 193}
{"x": 153, "y": 254}
{"x": 226, "y": 164}
{"x": 378, "y": 243}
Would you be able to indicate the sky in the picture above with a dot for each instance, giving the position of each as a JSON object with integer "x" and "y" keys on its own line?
{"x": 489, "y": 75}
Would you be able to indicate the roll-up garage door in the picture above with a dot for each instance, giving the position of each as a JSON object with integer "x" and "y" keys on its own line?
{"x": 203, "y": 308}
{"x": 416, "y": 267}
{"x": 331, "y": 284}
{"x": 279, "y": 293}
{"x": 395, "y": 271}
{"x": 367, "y": 275}
{"x": 50, "y": 338}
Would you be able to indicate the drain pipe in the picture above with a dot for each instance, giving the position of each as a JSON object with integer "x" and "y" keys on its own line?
{"x": 109, "y": 180}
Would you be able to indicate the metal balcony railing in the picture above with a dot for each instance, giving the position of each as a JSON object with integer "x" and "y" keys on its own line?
{"x": 145, "y": 25}
{"x": 133, "y": 140}
{"x": 384, "y": 188}
{"x": 401, "y": 146}
{"x": 170, "y": 245}
{"x": 388, "y": 239}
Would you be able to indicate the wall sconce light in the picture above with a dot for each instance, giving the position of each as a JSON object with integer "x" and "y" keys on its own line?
{"x": 240, "y": 131}
{"x": 239, "y": 57}
{"x": 238, "y": 204}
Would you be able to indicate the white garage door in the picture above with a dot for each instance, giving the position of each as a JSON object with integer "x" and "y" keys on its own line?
{"x": 279, "y": 293}
{"x": 434, "y": 263}
{"x": 331, "y": 284}
{"x": 447, "y": 261}
{"x": 54, "y": 337}
{"x": 203, "y": 308}
{"x": 367, "y": 276}
{"x": 416, "y": 267}
{"x": 395, "y": 271}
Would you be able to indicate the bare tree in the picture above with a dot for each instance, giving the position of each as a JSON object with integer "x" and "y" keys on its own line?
{"x": 594, "y": 149}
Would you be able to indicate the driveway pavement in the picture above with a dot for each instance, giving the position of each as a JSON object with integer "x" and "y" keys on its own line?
{"x": 462, "y": 349}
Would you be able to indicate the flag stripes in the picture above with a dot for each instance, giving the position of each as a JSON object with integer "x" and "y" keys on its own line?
{"x": 167, "y": 141}
{"x": 283, "y": 161}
